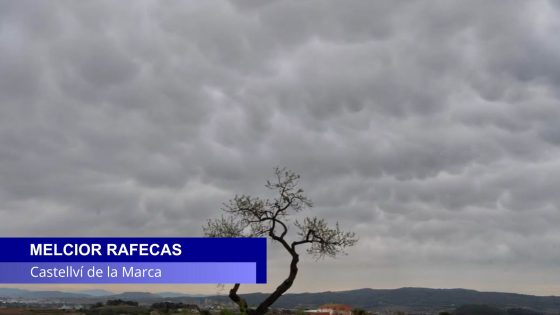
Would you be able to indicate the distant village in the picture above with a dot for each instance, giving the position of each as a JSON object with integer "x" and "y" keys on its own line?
{"x": 148, "y": 304}
{"x": 14, "y": 306}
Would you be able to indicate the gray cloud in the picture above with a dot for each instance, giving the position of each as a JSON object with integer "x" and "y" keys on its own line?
{"x": 429, "y": 129}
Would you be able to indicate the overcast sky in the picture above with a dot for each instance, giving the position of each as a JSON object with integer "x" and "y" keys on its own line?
{"x": 430, "y": 128}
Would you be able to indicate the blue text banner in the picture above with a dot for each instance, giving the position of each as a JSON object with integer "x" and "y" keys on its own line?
{"x": 132, "y": 260}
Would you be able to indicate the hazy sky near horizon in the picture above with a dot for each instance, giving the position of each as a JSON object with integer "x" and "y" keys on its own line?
{"x": 430, "y": 128}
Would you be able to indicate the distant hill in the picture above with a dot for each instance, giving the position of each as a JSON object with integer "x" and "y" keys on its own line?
{"x": 96, "y": 292}
{"x": 409, "y": 297}
{"x": 412, "y": 298}
{"x": 18, "y": 293}
{"x": 9, "y": 292}
{"x": 91, "y": 294}
{"x": 136, "y": 296}
{"x": 178, "y": 295}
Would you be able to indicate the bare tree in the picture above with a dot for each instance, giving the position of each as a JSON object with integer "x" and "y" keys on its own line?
{"x": 248, "y": 216}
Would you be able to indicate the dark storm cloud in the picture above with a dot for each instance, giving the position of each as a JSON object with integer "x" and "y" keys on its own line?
{"x": 431, "y": 129}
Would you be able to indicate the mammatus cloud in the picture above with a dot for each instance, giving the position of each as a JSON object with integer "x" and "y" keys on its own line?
{"x": 431, "y": 130}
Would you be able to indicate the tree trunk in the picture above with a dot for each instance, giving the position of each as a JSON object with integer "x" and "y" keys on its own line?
{"x": 281, "y": 289}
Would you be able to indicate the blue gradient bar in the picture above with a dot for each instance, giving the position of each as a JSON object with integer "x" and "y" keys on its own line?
{"x": 201, "y": 260}
{"x": 171, "y": 273}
